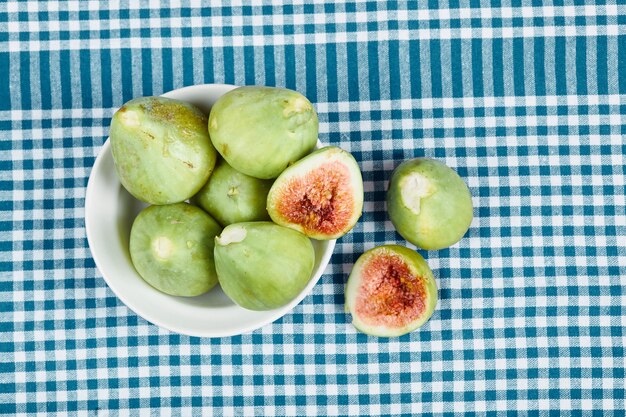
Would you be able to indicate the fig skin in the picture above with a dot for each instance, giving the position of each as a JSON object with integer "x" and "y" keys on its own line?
{"x": 171, "y": 247}
{"x": 232, "y": 197}
{"x": 161, "y": 149}
{"x": 263, "y": 266}
{"x": 259, "y": 131}
{"x": 416, "y": 265}
{"x": 321, "y": 195}
{"x": 429, "y": 204}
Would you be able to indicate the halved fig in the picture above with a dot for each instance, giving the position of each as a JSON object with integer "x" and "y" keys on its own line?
{"x": 321, "y": 195}
{"x": 391, "y": 291}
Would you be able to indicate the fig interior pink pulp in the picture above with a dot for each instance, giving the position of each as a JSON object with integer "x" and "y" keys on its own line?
{"x": 320, "y": 201}
{"x": 390, "y": 294}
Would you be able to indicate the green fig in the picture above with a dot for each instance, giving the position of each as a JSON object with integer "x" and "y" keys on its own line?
{"x": 321, "y": 195}
{"x": 263, "y": 266}
{"x": 429, "y": 204}
{"x": 259, "y": 131}
{"x": 232, "y": 197}
{"x": 391, "y": 291}
{"x": 161, "y": 149}
{"x": 171, "y": 247}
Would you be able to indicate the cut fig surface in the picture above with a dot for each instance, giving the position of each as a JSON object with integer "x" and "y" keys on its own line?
{"x": 391, "y": 291}
{"x": 321, "y": 195}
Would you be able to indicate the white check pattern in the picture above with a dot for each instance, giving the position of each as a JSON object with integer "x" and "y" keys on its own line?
{"x": 526, "y": 99}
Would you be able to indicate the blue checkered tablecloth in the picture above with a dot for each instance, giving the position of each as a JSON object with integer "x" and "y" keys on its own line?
{"x": 526, "y": 99}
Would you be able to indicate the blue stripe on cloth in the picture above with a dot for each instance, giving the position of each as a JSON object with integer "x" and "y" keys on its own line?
{"x": 128, "y": 71}
{"x": 539, "y": 56}
{"x": 415, "y": 65}
{"x": 105, "y": 79}
{"x": 525, "y": 100}
{"x": 248, "y": 65}
{"x": 331, "y": 74}
{"x": 498, "y": 67}
{"x": 352, "y": 63}
{"x": 560, "y": 65}
{"x": 25, "y": 80}
{"x": 5, "y": 81}
{"x": 477, "y": 68}
{"x": 395, "y": 78}
{"x": 188, "y": 65}
{"x": 268, "y": 62}
{"x": 374, "y": 70}
{"x": 67, "y": 97}
{"x": 44, "y": 77}
{"x": 208, "y": 63}
{"x": 146, "y": 72}
{"x": 435, "y": 69}
{"x": 290, "y": 70}
{"x": 310, "y": 71}
{"x": 167, "y": 68}
{"x": 85, "y": 79}
{"x": 230, "y": 70}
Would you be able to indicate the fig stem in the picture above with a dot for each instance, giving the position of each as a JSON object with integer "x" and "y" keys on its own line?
{"x": 231, "y": 235}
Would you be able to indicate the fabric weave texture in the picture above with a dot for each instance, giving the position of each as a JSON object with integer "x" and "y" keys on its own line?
{"x": 525, "y": 99}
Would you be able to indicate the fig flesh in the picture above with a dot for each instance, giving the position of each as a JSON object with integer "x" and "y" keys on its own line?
{"x": 391, "y": 291}
{"x": 232, "y": 197}
{"x": 262, "y": 266}
{"x": 429, "y": 204}
{"x": 321, "y": 195}
{"x": 171, "y": 247}
{"x": 161, "y": 149}
{"x": 259, "y": 131}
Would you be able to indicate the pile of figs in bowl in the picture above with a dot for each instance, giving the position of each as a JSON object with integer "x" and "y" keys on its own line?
{"x": 214, "y": 209}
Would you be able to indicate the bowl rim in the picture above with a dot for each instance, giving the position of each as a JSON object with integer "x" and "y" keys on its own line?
{"x": 276, "y": 314}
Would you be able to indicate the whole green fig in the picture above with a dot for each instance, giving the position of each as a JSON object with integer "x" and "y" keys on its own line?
{"x": 429, "y": 204}
{"x": 262, "y": 266}
{"x": 233, "y": 197}
{"x": 161, "y": 149}
{"x": 171, "y": 247}
{"x": 261, "y": 130}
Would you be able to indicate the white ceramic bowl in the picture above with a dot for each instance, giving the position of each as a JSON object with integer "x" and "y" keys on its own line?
{"x": 109, "y": 214}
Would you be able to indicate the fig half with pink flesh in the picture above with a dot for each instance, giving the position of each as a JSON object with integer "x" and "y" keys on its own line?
{"x": 321, "y": 195}
{"x": 391, "y": 291}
